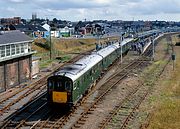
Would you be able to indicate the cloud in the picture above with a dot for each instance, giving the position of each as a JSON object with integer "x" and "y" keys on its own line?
{"x": 152, "y": 7}
{"x": 93, "y": 9}
{"x": 65, "y": 5}
{"x": 16, "y": 1}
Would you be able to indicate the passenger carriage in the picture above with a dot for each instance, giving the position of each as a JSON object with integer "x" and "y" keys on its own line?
{"x": 69, "y": 84}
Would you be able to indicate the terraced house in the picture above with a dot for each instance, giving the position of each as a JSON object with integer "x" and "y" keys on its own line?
{"x": 15, "y": 59}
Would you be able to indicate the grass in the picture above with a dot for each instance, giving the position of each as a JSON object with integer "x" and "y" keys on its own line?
{"x": 167, "y": 113}
{"x": 166, "y": 101}
{"x": 46, "y": 62}
{"x": 61, "y": 47}
{"x": 151, "y": 74}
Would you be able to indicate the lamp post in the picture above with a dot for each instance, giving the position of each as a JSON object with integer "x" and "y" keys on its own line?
{"x": 120, "y": 43}
{"x": 121, "y": 51}
{"x": 152, "y": 41}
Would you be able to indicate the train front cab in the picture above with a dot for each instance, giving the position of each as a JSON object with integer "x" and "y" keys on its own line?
{"x": 59, "y": 91}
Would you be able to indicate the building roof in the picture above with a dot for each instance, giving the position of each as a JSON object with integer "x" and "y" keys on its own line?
{"x": 28, "y": 28}
{"x": 46, "y": 26}
{"x": 36, "y": 27}
{"x": 11, "y": 37}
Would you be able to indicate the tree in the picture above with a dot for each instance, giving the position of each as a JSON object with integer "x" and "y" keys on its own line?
{"x": 55, "y": 20}
{"x": 23, "y": 21}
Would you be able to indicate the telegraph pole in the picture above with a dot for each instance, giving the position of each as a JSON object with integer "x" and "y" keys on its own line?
{"x": 50, "y": 36}
{"x": 121, "y": 39}
{"x": 50, "y": 42}
{"x": 121, "y": 52}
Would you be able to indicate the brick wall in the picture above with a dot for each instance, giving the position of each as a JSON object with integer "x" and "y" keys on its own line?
{"x": 25, "y": 71}
{"x": 2, "y": 82}
{"x": 14, "y": 72}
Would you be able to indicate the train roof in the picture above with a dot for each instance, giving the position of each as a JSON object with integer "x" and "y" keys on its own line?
{"x": 74, "y": 71}
{"x": 127, "y": 40}
{"x": 106, "y": 51}
{"x": 147, "y": 33}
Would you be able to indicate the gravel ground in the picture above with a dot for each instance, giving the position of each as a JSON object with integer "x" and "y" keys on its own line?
{"x": 116, "y": 96}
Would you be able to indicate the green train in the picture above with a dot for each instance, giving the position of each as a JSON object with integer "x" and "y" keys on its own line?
{"x": 70, "y": 83}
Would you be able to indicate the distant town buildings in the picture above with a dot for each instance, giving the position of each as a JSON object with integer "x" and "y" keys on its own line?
{"x": 41, "y": 28}
{"x": 10, "y": 21}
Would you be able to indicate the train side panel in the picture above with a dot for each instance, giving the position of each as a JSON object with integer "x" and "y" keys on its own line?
{"x": 82, "y": 84}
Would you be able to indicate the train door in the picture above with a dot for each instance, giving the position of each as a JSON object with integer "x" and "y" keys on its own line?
{"x": 76, "y": 91}
{"x": 68, "y": 88}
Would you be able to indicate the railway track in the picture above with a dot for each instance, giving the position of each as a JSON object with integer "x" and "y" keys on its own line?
{"x": 31, "y": 109}
{"x": 17, "y": 101}
{"x": 82, "y": 109}
{"x": 19, "y": 120}
{"x": 53, "y": 122}
{"x": 125, "y": 112}
{"x": 19, "y": 98}
{"x": 104, "y": 90}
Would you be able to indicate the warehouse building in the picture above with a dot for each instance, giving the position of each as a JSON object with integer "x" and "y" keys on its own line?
{"x": 15, "y": 59}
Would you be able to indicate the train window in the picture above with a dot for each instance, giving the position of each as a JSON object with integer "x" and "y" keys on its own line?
{"x": 50, "y": 84}
{"x": 58, "y": 86}
{"x": 91, "y": 72}
{"x": 75, "y": 86}
{"x": 68, "y": 85}
{"x": 78, "y": 84}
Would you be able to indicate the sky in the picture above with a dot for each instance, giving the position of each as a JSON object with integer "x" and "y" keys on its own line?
{"x": 75, "y": 10}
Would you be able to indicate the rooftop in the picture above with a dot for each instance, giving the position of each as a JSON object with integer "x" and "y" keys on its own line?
{"x": 9, "y": 37}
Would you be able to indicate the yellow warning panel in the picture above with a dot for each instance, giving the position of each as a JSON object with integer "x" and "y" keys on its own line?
{"x": 59, "y": 97}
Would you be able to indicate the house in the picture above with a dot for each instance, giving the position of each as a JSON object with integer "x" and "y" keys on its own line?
{"x": 15, "y": 59}
{"x": 90, "y": 28}
{"x": 35, "y": 31}
{"x": 99, "y": 28}
{"x": 54, "y": 30}
{"x": 66, "y": 31}
{"x": 55, "y": 33}
{"x": 84, "y": 28}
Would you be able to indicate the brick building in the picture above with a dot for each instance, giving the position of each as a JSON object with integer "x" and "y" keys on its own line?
{"x": 15, "y": 59}
{"x": 10, "y": 21}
